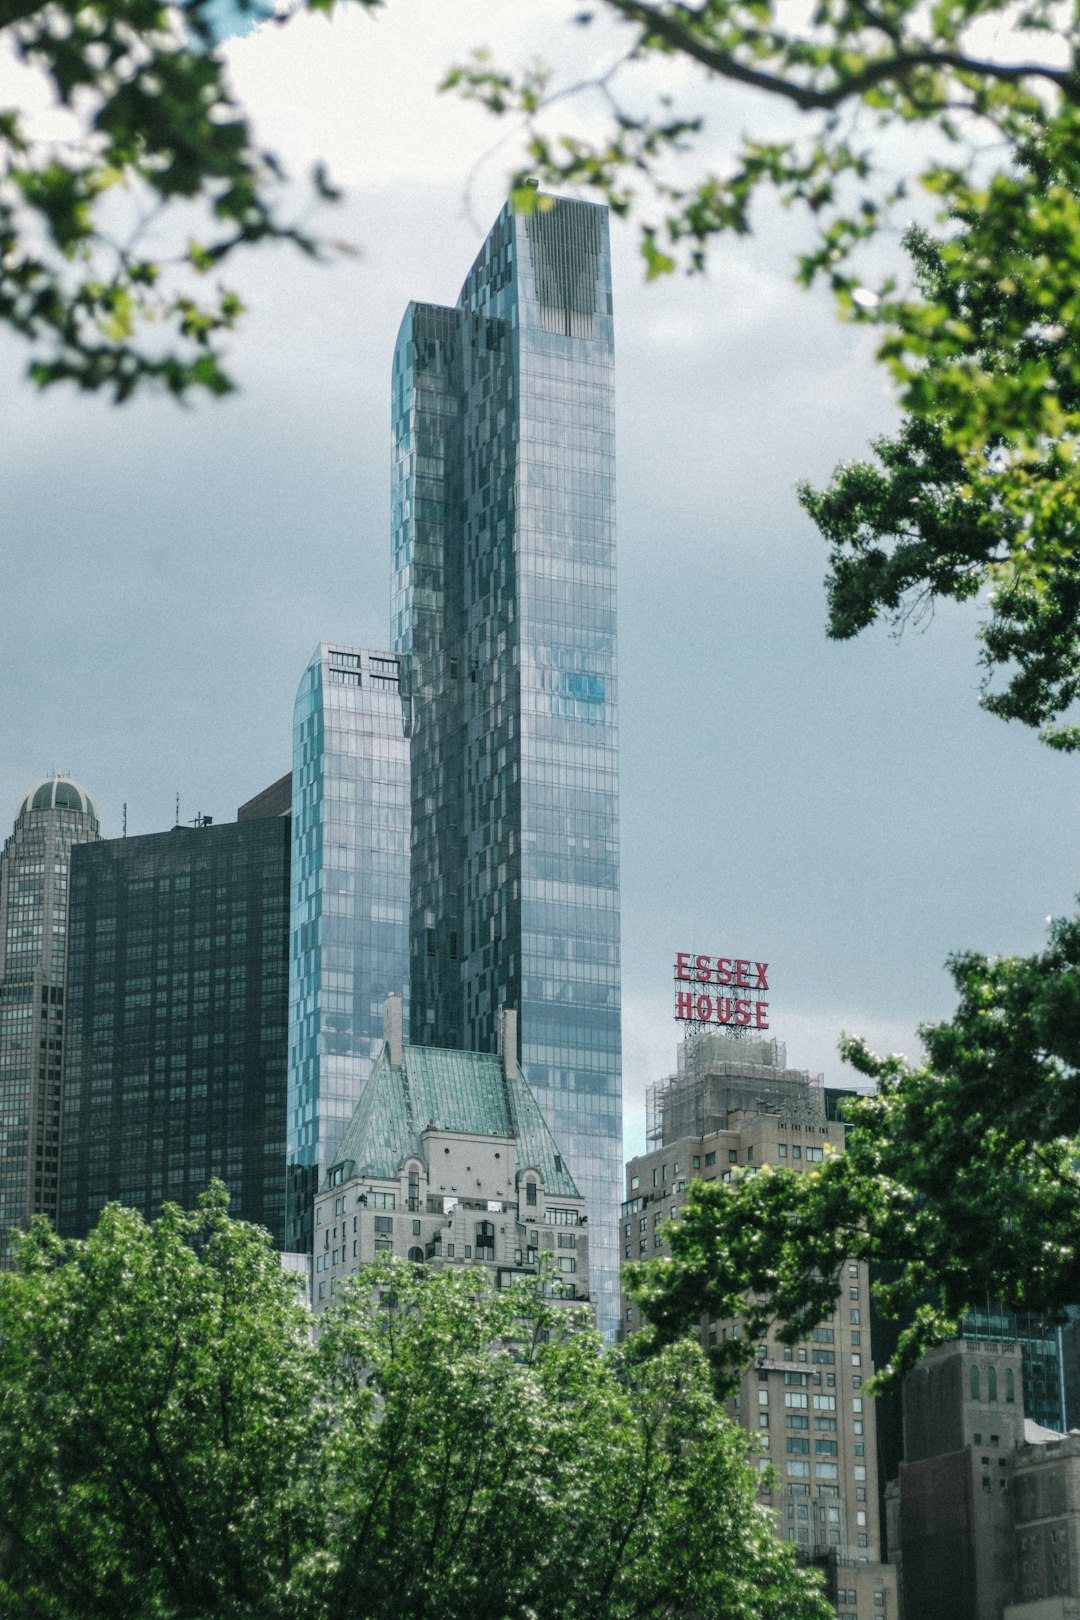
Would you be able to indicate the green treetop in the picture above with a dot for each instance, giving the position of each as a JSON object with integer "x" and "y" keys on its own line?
{"x": 174, "y": 1443}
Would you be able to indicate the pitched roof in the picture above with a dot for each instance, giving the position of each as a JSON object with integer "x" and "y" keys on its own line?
{"x": 444, "y": 1090}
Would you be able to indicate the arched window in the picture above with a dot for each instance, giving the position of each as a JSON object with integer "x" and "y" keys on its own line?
{"x": 1010, "y": 1385}
{"x": 991, "y": 1383}
{"x": 975, "y": 1382}
{"x": 416, "y": 1255}
{"x": 485, "y": 1240}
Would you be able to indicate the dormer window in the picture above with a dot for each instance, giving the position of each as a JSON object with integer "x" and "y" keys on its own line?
{"x": 530, "y": 1193}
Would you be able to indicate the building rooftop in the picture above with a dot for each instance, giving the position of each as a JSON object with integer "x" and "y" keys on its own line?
{"x": 58, "y": 793}
{"x": 462, "y": 1092}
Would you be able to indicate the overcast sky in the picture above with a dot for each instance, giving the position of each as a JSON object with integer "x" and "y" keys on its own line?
{"x": 845, "y": 812}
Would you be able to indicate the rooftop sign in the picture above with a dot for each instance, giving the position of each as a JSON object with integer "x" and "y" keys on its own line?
{"x": 721, "y": 990}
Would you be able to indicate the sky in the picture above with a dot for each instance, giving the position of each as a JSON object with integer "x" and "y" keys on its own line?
{"x": 844, "y": 812}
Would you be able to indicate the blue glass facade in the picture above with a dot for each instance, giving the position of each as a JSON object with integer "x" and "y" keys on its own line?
{"x": 349, "y": 930}
{"x": 504, "y": 600}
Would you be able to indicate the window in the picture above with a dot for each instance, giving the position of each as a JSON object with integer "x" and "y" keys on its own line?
{"x": 796, "y": 1443}
{"x": 798, "y": 1470}
{"x": 697, "y": 1161}
{"x": 1010, "y": 1385}
{"x": 381, "y": 1200}
{"x": 485, "y": 1243}
{"x": 732, "y": 1157}
{"x": 710, "y": 1158}
{"x": 991, "y": 1383}
{"x": 796, "y": 1151}
{"x": 781, "y": 1150}
{"x": 384, "y": 1223}
{"x": 793, "y": 1398}
{"x": 763, "y": 1397}
{"x": 975, "y": 1395}
{"x": 530, "y": 1193}
{"x": 416, "y": 1255}
{"x": 416, "y": 1228}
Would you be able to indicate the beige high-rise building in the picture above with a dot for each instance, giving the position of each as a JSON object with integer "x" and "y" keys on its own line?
{"x": 732, "y": 1107}
{"x": 34, "y": 870}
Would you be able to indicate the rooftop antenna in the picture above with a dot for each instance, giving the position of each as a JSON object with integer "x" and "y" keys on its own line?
{"x": 177, "y": 823}
{"x": 125, "y": 819}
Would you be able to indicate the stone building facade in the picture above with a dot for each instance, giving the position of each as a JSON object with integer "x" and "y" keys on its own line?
{"x": 448, "y": 1161}
{"x": 733, "y": 1107}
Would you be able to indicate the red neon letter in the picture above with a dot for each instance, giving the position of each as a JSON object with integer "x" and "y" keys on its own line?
{"x": 723, "y": 970}
{"x": 704, "y": 972}
{"x": 762, "y": 981}
{"x": 741, "y": 969}
{"x": 760, "y": 1012}
{"x": 682, "y": 960}
{"x": 704, "y": 1008}
{"x": 684, "y": 1004}
{"x": 742, "y": 1012}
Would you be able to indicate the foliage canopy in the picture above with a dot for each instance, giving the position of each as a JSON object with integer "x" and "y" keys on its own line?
{"x": 174, "y": 1442}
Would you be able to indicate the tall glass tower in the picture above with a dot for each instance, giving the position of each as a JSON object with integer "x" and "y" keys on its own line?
{"x": 34, "y": 871}
{"x": 504, "y": 598}
{"x": 349, "y": 945}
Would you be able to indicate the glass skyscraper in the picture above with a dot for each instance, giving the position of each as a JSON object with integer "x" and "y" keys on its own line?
{"x": 350, "y": 899}
{"x": 504, "y": 600}
{"x": 177, "y": 1000}
{"x": 34, "y": 871}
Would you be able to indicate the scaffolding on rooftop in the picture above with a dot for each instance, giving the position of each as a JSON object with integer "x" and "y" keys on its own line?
{"x": 722, "y": 1080}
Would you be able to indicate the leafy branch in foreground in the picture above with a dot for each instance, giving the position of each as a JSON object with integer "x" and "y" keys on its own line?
{"x": 980, "y": 489}
{"x": 897, "y": 63}
{"x": 959, "y": 1177}
{"x": 173, "y": 1442}
{"x": 159, "y": 129}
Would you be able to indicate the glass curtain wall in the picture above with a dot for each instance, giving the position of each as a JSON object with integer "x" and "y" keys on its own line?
{"x": 504, "y": 557}
{"x": 350, "y": 899}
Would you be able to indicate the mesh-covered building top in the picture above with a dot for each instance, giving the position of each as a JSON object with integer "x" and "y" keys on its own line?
{"x": 722, "y": 1079}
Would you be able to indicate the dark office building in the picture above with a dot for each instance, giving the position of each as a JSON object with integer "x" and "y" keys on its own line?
{"x": 177, "y": 1006}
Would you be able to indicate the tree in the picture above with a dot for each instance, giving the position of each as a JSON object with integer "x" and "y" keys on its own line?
{"x": 985, "y": 350}
{"x": 959, "y": 1180}
{"x": 174, "y": 1442}
{"x": 160, "y": 130}
{"x": 160, "y": 124}
{"x": 978, "y": 492}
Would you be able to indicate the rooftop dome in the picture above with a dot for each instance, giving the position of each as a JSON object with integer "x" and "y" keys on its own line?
{"x": 59, "y": 793}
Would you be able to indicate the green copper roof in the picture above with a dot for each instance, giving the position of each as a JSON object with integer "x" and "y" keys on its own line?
{"x": 449, "y": 1091}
